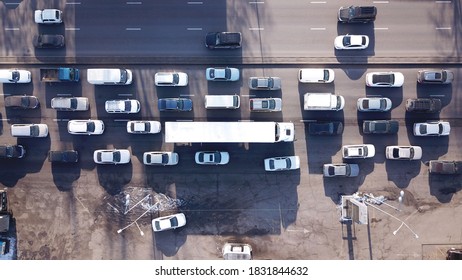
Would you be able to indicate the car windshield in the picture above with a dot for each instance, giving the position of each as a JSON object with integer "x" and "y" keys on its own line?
{"x": 366, "y": 104}
{"x": 411, "y": 153}
{"x": 25, "y": 102}
{"x": 128, "y": 105}
{"x": 116, "y": 156}
{"x": 440, "y": 130}
{"x": 90, "y": 126}
{"x": 423, "y": 129}
{"x": 123, "y": 76}
{"x": 331, "y": 170}
{"x": 326, "y": 75}
{"x": 228, "y": 73}
{"x": 346, "y": 41}
{"x": 180, "y": 104}
{"x": 176, "y": 78}
{"x": 288, "y": 163}
{"x": 164, "y": 158}
{"x": 217, "y": 157}
{"x": 34, "y": 130}
{"x": 383, "y": 79}
{"x": 73, "y": 103}
{"x": 174, "y": 222}
{"x": 15, "y": 76}
{"x": 271, "y": 164}
{"x": 383, "y": 104}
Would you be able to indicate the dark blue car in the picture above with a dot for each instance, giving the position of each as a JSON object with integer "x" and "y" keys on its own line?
{"x": 175, "y": 104}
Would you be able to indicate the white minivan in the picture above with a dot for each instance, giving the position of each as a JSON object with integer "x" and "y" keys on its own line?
{"x": 13, "y": 76}
{"x": 323, "y": 102}
{"x": 222, "y": 101}
{"x": 29, "y": 130}
{"x": 113, "y": 76}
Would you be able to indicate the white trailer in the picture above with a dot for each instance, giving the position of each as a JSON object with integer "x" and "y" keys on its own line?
{"x": 228, "y": 132}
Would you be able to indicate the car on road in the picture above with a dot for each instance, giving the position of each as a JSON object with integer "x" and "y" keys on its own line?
{"x": 403, "y": 152}
{"x": 29, "y": 130}
{"x": 374, "y": 104}
{"x": 171, "y": 79}
{"x": 122, "y": 106}
{"x": 384, "y": 79}
{"x": 222, "y": 74}
{"x": 435, "y": 76}
{"x": 265, "y": 104}
{"x": 423, "y": 105}
{"x": 265, "y": 83}
{"x": 211, "y": 157}
{"x": 380, "y": 127}
{"x": 175, "y": 104}
{"x": 70, "y": 103}
{"x": 351, "y": 42}
{"x": 143, "y": 127}
{"x": 445, "y": 167}
{"x": 12, "y": 151}
{"x": 357, "y": 14}
{"x": 114, "y": 156}
{"x": 316, "y": 75}
{"x": 85, "y": 127}
{"x": 14, "y": 76}
{"x": 160, "y": 158}
{"x": 432, "y": 128}
{"x": 48, "y": 41}
{"x": 169, "y": 222}
{"x": 358, "y": 151}
{"x": 67, "y": 156}
{"x": 223, "y": 40}
{"x": 21, "y": 102}
{"x": 325, "y": 128}
{"x": 340, "y": 170}
{"x": 48, "y": 16}
{"x": 282, "y": 163}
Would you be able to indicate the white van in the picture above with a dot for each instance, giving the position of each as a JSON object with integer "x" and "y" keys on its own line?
{"x": 13, "y": 76}
{"x": 222, "y": 101}
{"x": 323, "y": 102}
{"x": 237, "y": 251}
{"x": 109, "y": 76}
{"x": 29, "y": 130}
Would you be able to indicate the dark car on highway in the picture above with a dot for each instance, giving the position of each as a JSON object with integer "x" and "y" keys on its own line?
{"x": 325, "y": 128}
{"x": 48, "y": 41}
{"x": 380, "y": 127}
{"x": 12, "y": 151}
{"x": 175, "y": 104}
{"x": 21, "y": 102}
{"x": 63, "y": 156}
{"x": 223, "y": 40}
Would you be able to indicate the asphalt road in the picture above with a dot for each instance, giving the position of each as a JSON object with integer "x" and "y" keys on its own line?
{"x": 75, "y": 211}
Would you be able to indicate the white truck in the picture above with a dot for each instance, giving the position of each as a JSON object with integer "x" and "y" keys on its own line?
{"x": 229, "y": 132}
{"x": 323, "y": 102}
{"x": 111, "y": 76}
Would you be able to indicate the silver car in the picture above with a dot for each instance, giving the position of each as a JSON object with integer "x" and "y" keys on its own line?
{"x": 85, "y": 127}
{"x": 374, "y": 104}
{"x": 143, "y": 127}
{"x": 265, "y": 83}
{"x": 212, "y": 158}
{"x": 265, "y": 104}
{"x": 340, "y": 170}
{"x": 222, "y": 74}
{"x": 160, "y": 158}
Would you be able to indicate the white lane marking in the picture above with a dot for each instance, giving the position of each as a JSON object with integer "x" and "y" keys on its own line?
{"x": 11, "y": 28}
{"x": 318, "y": 2}
{"x": 380, "y": 2}
{"x": 134, "y": 3}
{"x": 5, "y": 119}
{"x": 317, "y": 28}
{"x": 184, "y": 120}
{"x": 437, "y": 95}
{"x": 63, "y": 94}
{"x": 133, "y": 29}
{"x": 249, "y": 95}
{"x": 374, "y": 95}
{"x": 61, "y": 120}
{"x": 261, "y": 2}
{"x": 124, "y": 94}
{"x": 443, "y": 2}
{"x": 72, "y": 28}
{"x": 73, "y": 3}
{"x": 194, "y": 28}
{"x": 380, "y": 28}
{"x": 195, "y": 3}
{"x": 186, "y": 94}
{"x": 12, "y": 3}
{"x": 256, "y": 28}
{"x": 443, "y": 28}
{"x": 121, "y": 120}
{"x": 308, "y": 120}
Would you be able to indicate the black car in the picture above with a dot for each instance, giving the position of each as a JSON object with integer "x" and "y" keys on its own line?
{"x": 223, "y": 40}
{"x": 22, "y": 102}
{"x": 175, "y": 104}
{"x": 454, "y": 254}
{"x": 63, "y": 156}
{"x": 357, "y": 14}
{"x": 423, "y": 105}
{"x": 325, "y": 128}
{"x": 380, "y": 127}
{"x": 48, "y": 41}
{"x": 12, "y": 151}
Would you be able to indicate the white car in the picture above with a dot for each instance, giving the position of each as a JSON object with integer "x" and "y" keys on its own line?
{"x": 265, "y": 104}
{"x": 122, "y": 106}
{"x": 374, "y": 104}
{"x": 384, "y": 79}
{"x": 29, "y": 130}
{"x": 14, "y": 76}
{"x": 433, "y": 128}
{"x": 340, "y": 170}
{"x": 171, "y": 79}
{"x": 143, "y": 127}
{"x": 358, "y": 151}
{"x": 48, "y": 16}
{"x": 86, "y": 127}
{"x": 222, "y": 74}
{"x": 169, "y": 222}
{"x": 351, "y": 42}
{"x": 282, "y": 163}
{"x": 403, "y": 152}
{"x": 212, "y": 158}
{"x": 160, "y": 158}
{"x": 115, "y": 156}
{"x": 313, "y": 75}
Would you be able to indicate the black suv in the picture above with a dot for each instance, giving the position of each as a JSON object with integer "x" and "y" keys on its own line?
{"x": 12, "y": 151}
{"x": 223, "y": 40}
{"x": 423, "y": 105}
{"x": 63, "y": 156}
{"x": 325, "y": 128}
{"x": 357, "y": 14}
